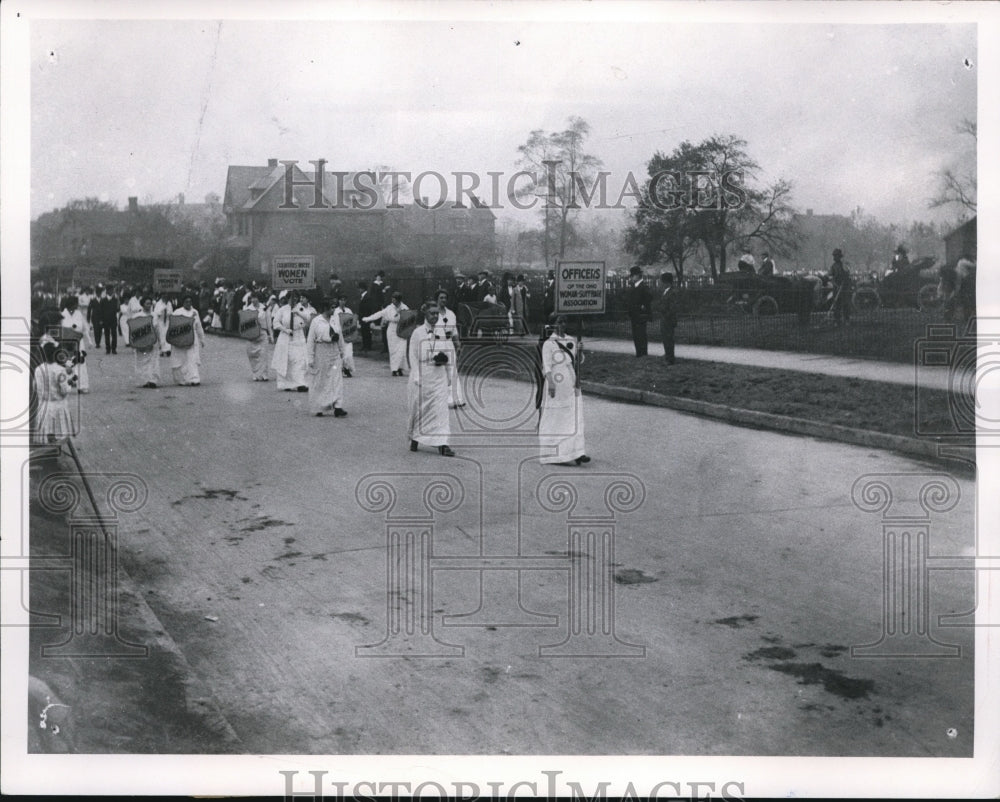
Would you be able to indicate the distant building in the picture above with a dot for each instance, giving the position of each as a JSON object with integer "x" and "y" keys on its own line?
{"x": 818, "y": 235}
{"x": 355, "y": 235}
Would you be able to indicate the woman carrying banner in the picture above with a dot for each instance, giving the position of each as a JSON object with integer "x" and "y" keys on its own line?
{"x": 346, "y": 343}
{"x": 397, "y": 345}
{"x": 256, "y": 352}
{"x": 73, "y": 318}
{"x": 289, "y": 358}
{"x": 323, "y": 358}
{"x": 162, "y": 310}
{"x": 560, "y": 427}
{"x": 185, "y": 360}
{"x": 146, "y": 344}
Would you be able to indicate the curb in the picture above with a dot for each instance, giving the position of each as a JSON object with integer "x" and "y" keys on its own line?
{"x": 768, "y": 420}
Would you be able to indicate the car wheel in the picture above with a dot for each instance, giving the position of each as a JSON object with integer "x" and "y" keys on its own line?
{"x": 765, "y": 305}
{"x": 866, "y": 299}
{"x": 928, "y": 298}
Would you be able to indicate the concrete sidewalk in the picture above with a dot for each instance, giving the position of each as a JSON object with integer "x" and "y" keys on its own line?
{"x": 866, "y": 369}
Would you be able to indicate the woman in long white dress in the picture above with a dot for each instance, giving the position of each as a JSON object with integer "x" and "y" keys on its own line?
{"x": 185, "y": 363}
{"x": 256, "y": 351}
{"x": 163, "y": 308}
{"x": 560, "y": 427}
{"x": 147, "y": 366}
{"x": 347, "y": 349}
{"x": 289, "y": 358}
{"x": 73, "y": 318}
{"x": 324, "y": 360}
{"x": 397, "y": 345}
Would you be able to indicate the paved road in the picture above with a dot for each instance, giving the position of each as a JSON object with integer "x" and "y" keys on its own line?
{"x": 743, "y": 574}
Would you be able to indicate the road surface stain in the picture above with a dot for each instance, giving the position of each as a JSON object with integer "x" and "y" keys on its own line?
{"x": 213, "y": 494}
{"x": 833, "y": 681}
{"x": 351, "y": 618}
{"x": 632, "y": 576}
{"x": 262, "y": 522}
{"x": 736, "y": 621}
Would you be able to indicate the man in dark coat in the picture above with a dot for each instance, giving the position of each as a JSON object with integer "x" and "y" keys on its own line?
{"x": 841, "y": 288}
{"x": 367, "y": 305}
{"x": 638, "y": 299}
{"x": 107, "y": 320}
{"x": 668, "y": 315}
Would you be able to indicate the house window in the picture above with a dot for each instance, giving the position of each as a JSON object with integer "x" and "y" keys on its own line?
{"x": 460, "y": 224}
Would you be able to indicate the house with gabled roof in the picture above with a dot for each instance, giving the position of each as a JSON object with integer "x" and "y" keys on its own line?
{"x": 345, "y": 225}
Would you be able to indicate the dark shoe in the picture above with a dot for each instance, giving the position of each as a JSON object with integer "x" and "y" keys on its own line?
{"x": 572, "y": 464}
{"x": 444, "y": 451}
{"x": 347, "y": 374}
{"x": 582, "y": 459}
{"x": 413, "y": 445}
{"x": 196, "y": 384}
{"x": 302, "y": 388}
{"x": 319, "y": 414}
{"x": 339, "y": 413}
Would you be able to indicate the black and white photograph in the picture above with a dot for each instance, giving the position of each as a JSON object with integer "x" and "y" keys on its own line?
{"x": 493, "y": 400}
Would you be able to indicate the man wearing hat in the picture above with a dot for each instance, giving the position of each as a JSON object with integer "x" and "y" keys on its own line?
{"x": 900, "y": 261}
{"x": 841, "y": 288}
{"x": 668, "y": 316}
{"x": 767, "y": 265}
{"x": 638, "y": 299}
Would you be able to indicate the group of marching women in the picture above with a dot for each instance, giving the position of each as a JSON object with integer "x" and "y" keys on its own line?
{"x": 313, "y": 352}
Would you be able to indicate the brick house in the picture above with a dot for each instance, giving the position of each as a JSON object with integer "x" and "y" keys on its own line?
{"x": 348, "y": 239}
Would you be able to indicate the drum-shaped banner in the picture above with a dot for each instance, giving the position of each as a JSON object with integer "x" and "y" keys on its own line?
{"x": 349, "y": 327}
{"x": 180, "y": 332}
{"x": 249, "y": 325}
{"x": 141, "y": 334}
{"x": 409, "y": 319}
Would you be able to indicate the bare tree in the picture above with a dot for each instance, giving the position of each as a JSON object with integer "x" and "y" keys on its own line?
{"x": 954, "y": 185}
{"x": 561, "y": 171}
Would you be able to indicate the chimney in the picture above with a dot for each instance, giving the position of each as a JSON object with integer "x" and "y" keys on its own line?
{"x": 809, "y": 212}
{"x": 180, "y": 198}
{"x": 133, "y": 204}
{"x": 272, "y": 162}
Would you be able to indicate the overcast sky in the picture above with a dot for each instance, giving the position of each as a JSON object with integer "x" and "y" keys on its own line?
{"x": 852, "y": 115}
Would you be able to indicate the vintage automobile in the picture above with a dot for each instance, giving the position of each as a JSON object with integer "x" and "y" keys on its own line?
{"x": 764, "y": 295}
{"x": 490, "y": 319}
{"x": 914, "y": 286}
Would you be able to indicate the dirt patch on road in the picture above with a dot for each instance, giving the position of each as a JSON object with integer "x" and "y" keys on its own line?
{"x": 130, "y": 694}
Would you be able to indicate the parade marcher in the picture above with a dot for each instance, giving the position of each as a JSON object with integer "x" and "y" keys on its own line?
{"x": 347, "y": 348}
{"x": 841, "y": 288}
{"x": 147, "y": 369}
{"x": 446, "y": 328}
{"x": 84, "y": 298}
{"x": 185, "y": 362}
{"x": 390, "y": 320}
{"x": 52, "y": 386}
{"x": 427, "y": 390}
{"x": 638, "y": 300}
{"x": 767, "y": 265}
{"x": 324, "y": 363}
{"x": 560, "y": 426}
{"x": 256, "y": 352}
{"x": 162, "y": 310}
{"x": 130, "y": 305}
{"x": 520, "y": 306}
{"x": 73, "y": 318}
{"x": 289, "y": 359}
{"x": 668, "y": 316}
{"x": 367, "y": 305}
